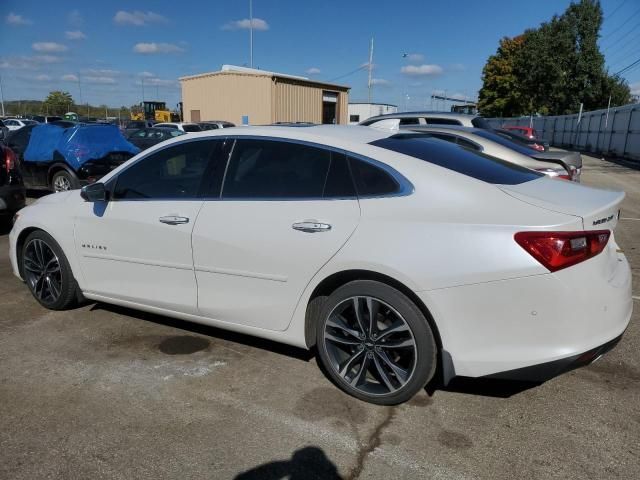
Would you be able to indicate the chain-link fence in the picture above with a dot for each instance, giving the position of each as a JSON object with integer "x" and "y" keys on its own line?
{"x": 616, "y": 134}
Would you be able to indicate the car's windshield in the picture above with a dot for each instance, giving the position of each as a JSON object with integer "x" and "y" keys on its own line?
{"x": 462, "y": 160}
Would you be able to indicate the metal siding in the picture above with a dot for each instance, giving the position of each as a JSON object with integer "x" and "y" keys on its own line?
{"x": 297, "y": 103}
{"x": 229, "y": 96}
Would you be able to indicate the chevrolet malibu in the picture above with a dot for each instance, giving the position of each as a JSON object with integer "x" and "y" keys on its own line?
{"x": 393, "y": 255}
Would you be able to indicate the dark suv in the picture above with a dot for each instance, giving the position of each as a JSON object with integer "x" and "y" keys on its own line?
{"x": 12, "y": 192}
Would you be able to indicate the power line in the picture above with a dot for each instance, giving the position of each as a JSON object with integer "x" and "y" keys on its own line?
{"x": 614, "y": 12}
{"x": 361, "y": 67}
{"x": 624, "y": 47}
{"x": 633, "y": 29}
{"x": 622, "y": 25}
{"x": 628, "y": 67}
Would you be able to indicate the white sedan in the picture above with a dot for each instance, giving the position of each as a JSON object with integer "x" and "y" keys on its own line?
{"x": 393, "y": 255}
{"x": 17, "y": 123}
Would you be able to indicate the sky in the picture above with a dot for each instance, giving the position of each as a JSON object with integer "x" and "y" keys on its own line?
{"x": 108, "y": 52}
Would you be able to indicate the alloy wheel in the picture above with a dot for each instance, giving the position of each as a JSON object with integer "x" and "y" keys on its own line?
{"x": 61, "y": 184}
{"x": 370, "y": 345}
{"x": 42, "y": 271}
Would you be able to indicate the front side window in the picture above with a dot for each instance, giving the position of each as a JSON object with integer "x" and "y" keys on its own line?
{"x": 354, "y": 118}
{"x": 176, "y": 172}
{"x": 273, "y": 169}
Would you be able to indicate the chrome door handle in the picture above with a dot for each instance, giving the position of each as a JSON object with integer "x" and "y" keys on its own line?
{"x": 311, "y": 226}
{"x": 173, "y": 220}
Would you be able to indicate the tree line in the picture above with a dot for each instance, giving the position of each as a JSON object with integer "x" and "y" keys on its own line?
{"x": 59, "y": 103}
{"x": 552, "y": 69}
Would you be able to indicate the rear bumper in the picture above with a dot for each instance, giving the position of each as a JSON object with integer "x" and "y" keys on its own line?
{"x": 546, "y": 371}
{"x": 546, "y": 322}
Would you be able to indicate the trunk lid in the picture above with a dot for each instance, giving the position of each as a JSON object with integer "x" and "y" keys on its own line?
{"x": 598, "y": 208}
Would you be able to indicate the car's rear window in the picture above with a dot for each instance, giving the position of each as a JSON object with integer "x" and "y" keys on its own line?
{"x": 462, "y": 160}
{"x": 518, "y": 147}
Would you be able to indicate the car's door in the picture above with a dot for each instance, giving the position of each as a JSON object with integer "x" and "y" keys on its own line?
{"x": 137, "y": 246}
{"x": 284, "y": 211}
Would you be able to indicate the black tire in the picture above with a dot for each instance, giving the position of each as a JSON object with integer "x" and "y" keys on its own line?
{"x": 62, "y": 177}
{"x": 394, "y": 303}
{"x": 68, "y": 288}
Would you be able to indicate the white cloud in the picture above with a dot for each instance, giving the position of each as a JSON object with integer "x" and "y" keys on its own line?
{"x": 421, "y": 70}
{"x": 635, "y": 88}
{"x": 380, "y": 82}
{"x": 15, "y": 19}
{"x": 69, "y": 77}
{"x": 46, "y": 59}
{"x": 245, "y": 24}
{"x": 138, "y": 18}
{"x": 43, "y": 78}
{"x": 74, "y": 35}
{"x": 74, "y": 17}
{"x": 414, "y": 57}
{"x": 312, "y": 71}
{"x": 147, "y": 75}
{"x": 151, "y": 48}
{"x": 25, "y": 62}
{"x": 101, "y": 72}
{"x": 100, "y": 80}
{"x": 49, "y": 47}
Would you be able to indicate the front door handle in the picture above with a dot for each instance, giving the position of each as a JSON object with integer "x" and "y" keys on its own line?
{"x": 311, "y": 226}
{"x": 173, "y": 220}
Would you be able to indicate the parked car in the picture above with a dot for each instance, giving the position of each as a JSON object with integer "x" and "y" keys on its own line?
{"x": 215, "y": 124}
{"x": 536, "y": 144}
{"x": 184, "y": 126}
{"x": 16, "y": 123}
{"x": 46, "y": 118}
{"x": 148, "y": 137}
{"x": 59, "y": 159}
{"x": 4, "y": 131}
{"x": 528, "y": 132}
{"x": 490, "y": 143}
{"x": 414, "y": 119}
{"x": 12, "y": 191}
{"x": 392, "y": 254}
{"x": 135, "y": 125}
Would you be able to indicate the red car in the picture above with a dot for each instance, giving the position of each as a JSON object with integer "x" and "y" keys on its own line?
{"x": 524, "y": 131}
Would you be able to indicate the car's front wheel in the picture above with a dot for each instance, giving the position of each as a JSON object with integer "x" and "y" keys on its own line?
{"x": 46, "y": 271}
{"x": 375, "y": 343}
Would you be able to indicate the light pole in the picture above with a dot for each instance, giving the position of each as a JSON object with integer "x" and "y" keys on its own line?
{"x": 142, "y": 80}
{"x": 80, "y": 88}
{"x": 1, "y": 96}
{"x": 251, "y": 33}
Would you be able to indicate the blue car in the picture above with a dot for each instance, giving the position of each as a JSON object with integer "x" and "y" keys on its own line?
{"x": 58, "y": 158}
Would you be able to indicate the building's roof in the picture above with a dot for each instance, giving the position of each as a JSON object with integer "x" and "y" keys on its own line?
{"x": 235, "y": 70}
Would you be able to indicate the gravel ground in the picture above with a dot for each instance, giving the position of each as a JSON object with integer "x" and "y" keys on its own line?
{"x": 106, "y": 392}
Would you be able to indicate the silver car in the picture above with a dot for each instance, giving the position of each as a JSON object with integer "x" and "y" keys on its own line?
{"x": 415, "y": 119}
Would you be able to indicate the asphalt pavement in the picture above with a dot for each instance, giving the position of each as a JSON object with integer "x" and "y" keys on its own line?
{"x": 107, "y": 392}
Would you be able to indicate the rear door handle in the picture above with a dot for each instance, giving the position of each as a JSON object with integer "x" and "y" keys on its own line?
{"x": 173, "y": 220}
{"x": 311, "y": 226}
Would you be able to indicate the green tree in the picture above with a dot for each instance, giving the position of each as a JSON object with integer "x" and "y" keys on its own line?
{"x": 58, "y": 102}
{"x": 500, "y": 93}
{"x": 555, "y": 67}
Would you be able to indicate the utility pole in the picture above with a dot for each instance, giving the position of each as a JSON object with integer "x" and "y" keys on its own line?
{"x": 1, "y": 96}
{"x": 606, "y": 120}
{"x": 251, "y": 33}
{"x": 80, "y": 89}
{"x": 142, "y": 79}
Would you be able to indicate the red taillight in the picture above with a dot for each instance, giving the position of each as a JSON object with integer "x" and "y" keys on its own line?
{"x": 538, "y": 147}
{"x": 558, "y": 250}
{"x": 9, "y": 159}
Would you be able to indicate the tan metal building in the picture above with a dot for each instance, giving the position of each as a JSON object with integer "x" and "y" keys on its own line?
{"x": 243, "y": 95}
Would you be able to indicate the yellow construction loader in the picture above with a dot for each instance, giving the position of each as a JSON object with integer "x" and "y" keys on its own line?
{"x": 156, "y": 111}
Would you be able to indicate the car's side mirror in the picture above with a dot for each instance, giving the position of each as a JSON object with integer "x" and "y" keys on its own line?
{"x": 96, "y": 192}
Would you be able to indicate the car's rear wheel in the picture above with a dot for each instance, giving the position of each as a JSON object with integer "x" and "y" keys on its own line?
{"x": 63, "y": 181}
{"x": 375, "y": 343}
{"x": 47, "y": 273}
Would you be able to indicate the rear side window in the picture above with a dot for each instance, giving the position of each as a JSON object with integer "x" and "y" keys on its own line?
{"x": 371, "y": 180}
{"x": 277, "y": 170}
{"x": 410, "y": 121}
{"x": 442, "y": 121}
{"x": 467, "y": 162}
{"x": 192, "y": 128}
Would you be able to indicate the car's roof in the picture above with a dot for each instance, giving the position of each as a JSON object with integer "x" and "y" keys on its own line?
{"x": 423, "y": 113}
{"x": 326, "y": 134}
